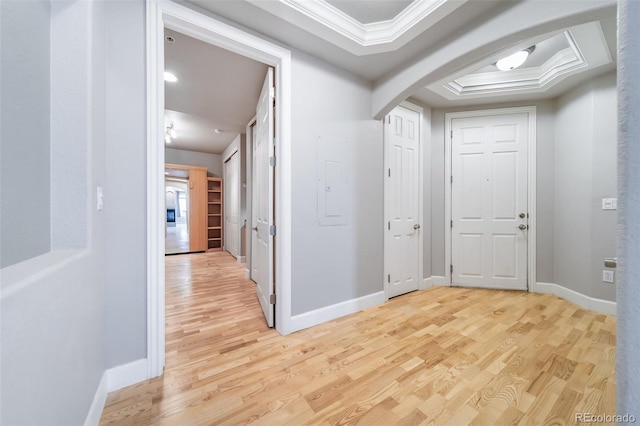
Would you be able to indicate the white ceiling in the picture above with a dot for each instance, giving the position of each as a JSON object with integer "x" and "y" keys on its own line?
{"x": 216, "y": 89}
{"x": 219, "y": 89}
{"x": 368, "y": 11}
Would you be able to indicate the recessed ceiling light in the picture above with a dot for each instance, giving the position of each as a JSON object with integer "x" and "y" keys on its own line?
{"x": 515, "y": 60}
{"x": 171, "y": 78}
{"x": 170, "y": 39}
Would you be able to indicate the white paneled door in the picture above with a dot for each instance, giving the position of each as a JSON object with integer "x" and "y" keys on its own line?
{"x": 262, "y": 250}
{"x": 489, "y": 211}
{"x": 402, "y": 201}
{"x": 232, "y": 205}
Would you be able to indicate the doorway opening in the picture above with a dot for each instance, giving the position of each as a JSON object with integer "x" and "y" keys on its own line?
{"x": 177, "y": 225}
{"x": 187, "y": 21}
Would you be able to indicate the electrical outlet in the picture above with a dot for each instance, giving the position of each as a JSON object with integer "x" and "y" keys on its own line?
{"x": 607, "y": 276}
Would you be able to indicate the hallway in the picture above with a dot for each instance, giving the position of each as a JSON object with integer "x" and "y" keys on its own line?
{"x": 445, "y": 355}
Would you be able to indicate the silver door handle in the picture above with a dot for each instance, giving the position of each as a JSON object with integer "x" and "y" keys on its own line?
{"x": 522, "y": 227}
{"x": 416, "y": 226}
{"x": 255, "y": 228}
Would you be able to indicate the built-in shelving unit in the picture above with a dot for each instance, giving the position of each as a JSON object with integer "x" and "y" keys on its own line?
{"x": 214, "y": 214}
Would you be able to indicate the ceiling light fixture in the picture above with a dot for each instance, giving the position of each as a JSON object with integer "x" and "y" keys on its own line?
{"x": 171, "y": 78}
{"x": 514, "y": 60}
{"x": 217, "y": 131}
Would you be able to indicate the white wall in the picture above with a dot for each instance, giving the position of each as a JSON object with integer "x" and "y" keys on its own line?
{"x": 332, "y": 264}
{"x": 52, "y": 335}
{"x": 213, "y": 162}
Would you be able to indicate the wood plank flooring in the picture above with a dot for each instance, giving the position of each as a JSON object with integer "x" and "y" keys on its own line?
{"x": 444, "y": 356}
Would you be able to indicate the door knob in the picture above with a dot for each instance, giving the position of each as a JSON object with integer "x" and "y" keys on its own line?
{"x": 522, "y": 227}
{"x": 522, "y": 215}
{"x": 416, "y": 226}
{"x": 255, "y": 228}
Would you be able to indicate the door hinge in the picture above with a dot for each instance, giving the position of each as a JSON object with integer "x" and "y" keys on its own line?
{"x": 388, "y": 119}
{"x": 389, "y": 225}
{"x": 272, "y": 299}
{"x": 452, "y": 223}
{"x": 451, "y": 178}
{"x": 451, "y": 133}
{"x": 389, "y": 172}
{"x": 272, "y": 161}
{"x": 272, "y": 230}
{"x": 451, "y": 268}
{"x": 388, "y": 278}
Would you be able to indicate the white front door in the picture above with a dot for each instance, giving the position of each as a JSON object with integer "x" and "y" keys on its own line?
{"x": 489, "y": 201}
{"x": 232, "y": 205}
{"x": 402, "y": 202}
{"x": 262, "y": 258}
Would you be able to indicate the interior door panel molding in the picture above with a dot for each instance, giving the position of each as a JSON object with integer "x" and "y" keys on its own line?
{"x": 393, "y": 267}
{"x": 531, "y": 185}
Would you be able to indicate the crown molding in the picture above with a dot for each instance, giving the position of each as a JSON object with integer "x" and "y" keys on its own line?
{"x": 587, "y": 50}
{"x": 335, "y": 26}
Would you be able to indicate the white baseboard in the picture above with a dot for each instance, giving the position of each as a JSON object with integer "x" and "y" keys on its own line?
{"x": 598, "y": 305}
{"x": 241, "y": 259}
{"x": 127, "y": 374}
{"x": 247, "y": 274}
{"x": 95, "y": 411}
{"x": 433, "y": 280}
{"x": 328, "y": 313}
{"x": 437, "y": 280}
{"x": 113, "y": 379}
{"x": 426, "y": 283}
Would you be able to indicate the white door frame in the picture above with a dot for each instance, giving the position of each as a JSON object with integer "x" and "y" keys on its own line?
{"x": 186, "y": 20}
{"x": 531, "y": 185}
{"x": 249, "y": 193}
{"x": 421, "y": 284}
{"x": 226, "y": 156}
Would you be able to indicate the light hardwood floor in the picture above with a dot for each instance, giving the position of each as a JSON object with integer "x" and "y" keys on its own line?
{"x": 444, "y": 356}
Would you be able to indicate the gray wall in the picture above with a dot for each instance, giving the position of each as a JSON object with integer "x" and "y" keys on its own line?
{"x": 585, "y": 168}
{"x": 52, "y": 306}
{"x": 575, "y": 170}
{"x": 213, "y": 162}
{"x": 24, "y": 152}
{"x": 332, "y": 264}
{"x": 125, "y": 297}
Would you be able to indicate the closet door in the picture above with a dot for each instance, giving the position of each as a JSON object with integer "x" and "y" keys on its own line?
{"x": 197, "y": 209}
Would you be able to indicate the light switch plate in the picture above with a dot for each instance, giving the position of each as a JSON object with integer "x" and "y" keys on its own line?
{"x": 609, "y": 204}
{"x": 99, "y": 198}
